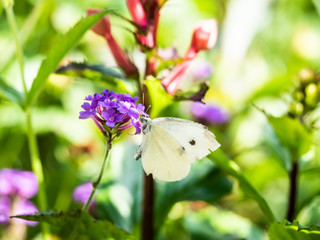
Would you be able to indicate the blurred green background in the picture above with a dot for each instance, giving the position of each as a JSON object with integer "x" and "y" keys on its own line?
{"x": 262, "y": 46}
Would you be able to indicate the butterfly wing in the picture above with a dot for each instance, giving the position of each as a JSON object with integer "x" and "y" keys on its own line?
{"x": 196, "y": 139}
{"x": 163, "y": 156}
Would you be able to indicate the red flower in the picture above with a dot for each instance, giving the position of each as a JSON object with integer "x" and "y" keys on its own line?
{"x": 137, "y": 12}
{"x": 103, "y": 28}
{"x": 204, "y": 37}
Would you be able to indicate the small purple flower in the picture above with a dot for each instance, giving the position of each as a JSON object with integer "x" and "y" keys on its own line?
{"x": 5, "y": 205}
{"x": 17, "y": 182}
{"x": 209, "y": 114}
{"x": 201, "y": 70}
{"x": 16, "y": 186}
{"x": 82, "y": 193}
{"x": 25, "y": 207}
{"x": 110, "y": 110}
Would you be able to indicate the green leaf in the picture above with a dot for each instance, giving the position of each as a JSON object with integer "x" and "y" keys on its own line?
{"x": 233, "y": 169}
{"x": 86, "y": 227}
{"x": 84, "y": 70}
{"x": 110, "y": 77}
{"x": 291, "y": 134}
{"x": 159, "y": 98}
{"x": 58, "y": 51}
{"x": 292, "y": 231}
{"x": 317, "y": 5}
{"x": 205, "y": 182}
{"x": 10, "y": 93}
{"x": 274, "y": 87}
{"x": 215, "y": 223}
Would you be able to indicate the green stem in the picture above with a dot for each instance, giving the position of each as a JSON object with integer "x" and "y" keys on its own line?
{"x": 14, "y": 30}
{"x": 33, "y": 147}
{"x": 29, "y": 24}
{"x": 95, "y": 185}
{"x": 97, "y": 182}
{"x": 38, "y": 170}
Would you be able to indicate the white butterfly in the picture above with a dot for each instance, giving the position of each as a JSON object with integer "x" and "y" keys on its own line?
{"x": 170, "y": 145}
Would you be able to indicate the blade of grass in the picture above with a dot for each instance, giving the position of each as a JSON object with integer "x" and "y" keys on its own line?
{"x": 33, "y": 147}
{"x": 58, "y": 51}
{"x": 233, "y": 169}
{"x": 8, "y": 51}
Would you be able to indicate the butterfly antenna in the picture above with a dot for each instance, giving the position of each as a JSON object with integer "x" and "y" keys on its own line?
{"x": 143, "y": 98}
{"x": 148, "y": 108}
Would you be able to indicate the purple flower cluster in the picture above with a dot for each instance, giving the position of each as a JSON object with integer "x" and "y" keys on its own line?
{"x": 209, "y": 114}
{"x": 82, "y": 193}
{"x": 16, "y": 187}
{"x": 110, "y": 110}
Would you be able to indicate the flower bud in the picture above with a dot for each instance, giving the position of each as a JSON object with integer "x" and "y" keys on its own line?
{"x": 298, "y": 95}
{"x": 306, "y": 75}
{"x": 174, "y": 79}
{"x": 204, "y": 37}
{"x": 137, "y": 12}
{"x": 311, "y": 94}
{"x": 296, "y": 109}
{"x": 103, "y": 28}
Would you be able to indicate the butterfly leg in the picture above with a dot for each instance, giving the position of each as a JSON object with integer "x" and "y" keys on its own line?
{"x": 138, "y": 153}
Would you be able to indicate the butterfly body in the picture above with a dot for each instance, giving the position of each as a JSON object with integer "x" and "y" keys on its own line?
{"x": 170, "y": 145}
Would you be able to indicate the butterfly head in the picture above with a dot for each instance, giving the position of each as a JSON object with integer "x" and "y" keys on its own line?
{"x": 145, "y": 124}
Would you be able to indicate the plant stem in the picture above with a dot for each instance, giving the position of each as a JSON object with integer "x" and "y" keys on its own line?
{"x": 147, "y": 212}
{"x": 35, "y": 160}
{"x": 29, "y": 24}
{"x": 148, "y": 190}
{"x": 33, "y": 147}
{"x": 293, "y": 191}
{"x": 36, "y": 166}
{"x": 14, "y": 30}
{"x": 97, "y": 182}
{"x": 95, "y": 185}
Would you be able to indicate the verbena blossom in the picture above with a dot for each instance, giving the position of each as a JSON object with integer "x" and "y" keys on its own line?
{"x": 82, "y": 193}
{"x": 111, "y": 111}
{"x": 5, "y": 204}
{"x": 24, "y": 207}
{"x": 16, "y": 187}
{"x": 209, "y": 114}
{"x": 17, "y": 182}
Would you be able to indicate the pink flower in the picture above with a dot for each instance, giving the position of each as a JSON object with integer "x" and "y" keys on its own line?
{"x": 148, "y": 36}
{"x": 24, "y": 207}
{"x": 137, "y": 12}
{"x": 172, "y": 82}
{"x": 204, "y": 37}
{"x": 103, "y": 28}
